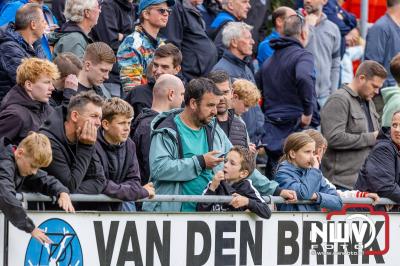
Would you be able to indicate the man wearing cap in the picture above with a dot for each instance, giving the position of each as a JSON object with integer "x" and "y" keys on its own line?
{"x": 137, "y": 50}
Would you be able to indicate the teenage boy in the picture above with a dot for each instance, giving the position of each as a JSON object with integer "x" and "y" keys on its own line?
{"x": 233, "y": 180}
{"x": 117, "y": 153}
{"x": 19, "y": 170}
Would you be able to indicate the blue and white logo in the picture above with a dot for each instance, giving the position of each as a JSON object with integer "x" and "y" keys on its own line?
{"x": 64, "y": 251}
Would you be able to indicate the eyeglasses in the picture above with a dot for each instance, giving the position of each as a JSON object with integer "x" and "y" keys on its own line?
{"x": 164, "y": 11}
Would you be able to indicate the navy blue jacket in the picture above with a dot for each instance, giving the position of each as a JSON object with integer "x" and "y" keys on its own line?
{"x": 243, "y": 187}
{"x": 13, "y": 48}
{"x": 287, "y": 80}
{"x": 381, "y": 170}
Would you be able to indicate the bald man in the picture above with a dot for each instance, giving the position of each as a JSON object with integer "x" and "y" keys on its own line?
{"x": 278, "y": 18}
{"x": 168, "y": 93}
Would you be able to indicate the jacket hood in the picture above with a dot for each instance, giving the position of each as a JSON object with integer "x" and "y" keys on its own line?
{"x": 125, "y": 3}
{"x": 54, "y": 124}
{"x": 390, "y": 92}
{"x": 283, "y": 42}
{"x": 165, "y": 120}
{"x": 6, "y": 149}
{"x": 146, "y": 112}
{"x": 17, "y": 95}
{"x": 290, "y": 168}
{"x": 67, "y": 28}
{"x": 8, "y": 34}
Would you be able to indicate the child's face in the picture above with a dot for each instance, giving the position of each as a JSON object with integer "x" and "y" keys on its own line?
{"x": 232, "y": 167}
{"x": 320, "y": 151}
{"x": 304, "y": 157}
{"x": 25, "y": 164}
{"x": 118, "y": 129}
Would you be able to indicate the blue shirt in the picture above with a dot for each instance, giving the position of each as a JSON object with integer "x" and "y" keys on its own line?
{"x": 221, "y": 18}
{"x": 194, "y": 142}
{"x": 264, "y": 49}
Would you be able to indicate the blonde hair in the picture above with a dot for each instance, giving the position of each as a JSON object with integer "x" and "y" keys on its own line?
{"x": 246, "y": 91}
{"x": 38, "y": 147}
{"x": 33, "y": 68}
{"x": 295, "y": 142}
{"x": 320, "y": 141}
{"x": 116, "y": 106}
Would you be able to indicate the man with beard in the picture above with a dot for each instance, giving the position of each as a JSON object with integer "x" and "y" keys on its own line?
{"x": 324, "y": 44}
{"x": 97, "y": 64}
{"x": 188, "y": 147}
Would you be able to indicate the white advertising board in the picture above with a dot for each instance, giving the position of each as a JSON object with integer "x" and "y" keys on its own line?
{"x": 208, "y": 239}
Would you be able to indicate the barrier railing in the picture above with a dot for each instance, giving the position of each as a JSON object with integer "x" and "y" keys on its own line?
{"x": 36, "y": 197}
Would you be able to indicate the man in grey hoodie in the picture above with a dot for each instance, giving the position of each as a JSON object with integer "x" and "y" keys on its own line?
{"x": 324, "y": 44}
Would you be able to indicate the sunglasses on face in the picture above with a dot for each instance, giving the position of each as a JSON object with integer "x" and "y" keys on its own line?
{"x": 164, "y": 11}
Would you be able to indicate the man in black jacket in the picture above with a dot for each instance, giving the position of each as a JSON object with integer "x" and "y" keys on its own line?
{"x": 168, "y": 94}
{"x": 25, "y": 106}
{"x": 97, "y": 64}
{"x": 167, "y": 60}
{"x": 186, "y": 29}
{"x": 18, "y": 41}
{"x": 19, "y": 170}
{"x": 231, "y": 124}
{"x": 115, "y": 22}
{"x": 117, "y": 153}
{"x": 73, "y": 134}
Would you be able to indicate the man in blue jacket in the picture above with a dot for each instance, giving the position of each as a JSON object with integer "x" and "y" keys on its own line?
{"x": 287, "y": 82}
{"x": 187, "y": 148}
{"x": 18, "y": 41}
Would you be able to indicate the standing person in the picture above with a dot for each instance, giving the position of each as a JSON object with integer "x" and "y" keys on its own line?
{"x": 98, "y": 61}
{"x": 278, "y": 19}
{"x": 167, "y": 94}
{"x": 350, "y": 124}
{"x": 186, "y": 148}
{"x": 137, "y": 49}
{"x": 383, "y": 39}
{"x": 324, "y": 44}
{"x": 287, "y": 82}
{"x": 117, "y": 153}
{"x": 20, "y": 171}
{"x": 72, "y": 132}
{"x": 18, "y": 41}
{"x": 233, "y": 11}
{"x": 391, "y": 95}
{"x": 299, "y": 170}
{"x": 116, "y": 21}
{"x": 73, "y": 36}
{"x": 167, "y": 60}
{"x": 26, "y": 105}
{"x": 186, "y": 30}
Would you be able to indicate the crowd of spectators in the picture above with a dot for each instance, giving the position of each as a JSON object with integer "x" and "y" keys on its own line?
{"x": 176, "y": 97}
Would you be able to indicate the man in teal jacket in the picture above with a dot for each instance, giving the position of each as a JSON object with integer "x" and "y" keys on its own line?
{"x": 187, "y": 147}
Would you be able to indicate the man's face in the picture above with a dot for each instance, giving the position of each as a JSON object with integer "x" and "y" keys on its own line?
{"x": 240, "y": 8}
{"x": 94, "y": 14}
{"x": 97, "y": 74}
{"x": 313, "y": 6}
{"x": 40, "y": 90}
{"x": 369, "y": 87}
{"x": 206, "y": 109}
{"x": 39, "y": 26}
{"x": 395, "y": 129}
{"x": 245, "y": 43}
{"x": 178, "y": 96}
{"x": 118, "y": 129}
{"x": 226, "y": 99}
{"x": 157, "y": 15}
{"x": 163, "y": 65}
{"x": 90, "y": 113}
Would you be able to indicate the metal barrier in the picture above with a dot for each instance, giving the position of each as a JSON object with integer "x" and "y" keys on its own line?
{"x": 35, "y": 197}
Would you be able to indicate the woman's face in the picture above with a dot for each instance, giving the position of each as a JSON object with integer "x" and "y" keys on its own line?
{"x": 395, "y": 129}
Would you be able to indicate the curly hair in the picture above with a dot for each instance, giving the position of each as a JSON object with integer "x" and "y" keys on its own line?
{"x": 246, "y": 91}
{"x": 33, "y": 69}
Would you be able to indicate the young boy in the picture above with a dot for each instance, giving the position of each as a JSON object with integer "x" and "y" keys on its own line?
{"x": 19, "y": 170}
{"x": 239, "y": 164}
{"x": 117, "y": 154}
